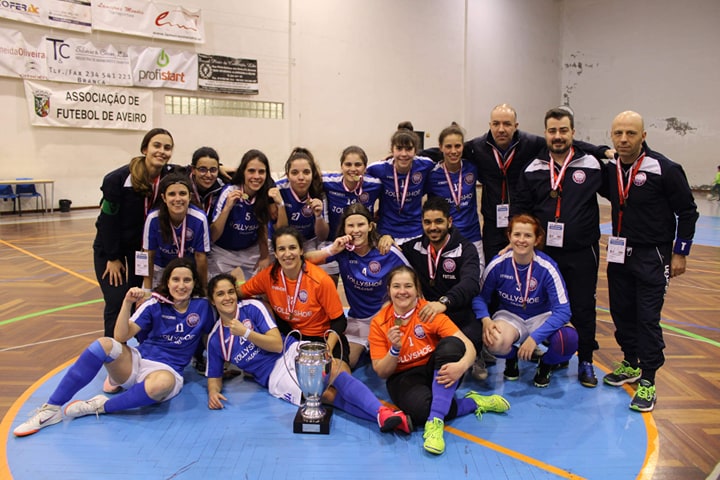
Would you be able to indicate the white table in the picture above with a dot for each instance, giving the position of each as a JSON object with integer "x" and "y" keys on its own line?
{"x": 41, "y": 181}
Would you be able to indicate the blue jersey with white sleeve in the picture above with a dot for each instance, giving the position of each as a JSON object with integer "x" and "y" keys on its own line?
{"x": 339, "y": 197}
{"x": 364, "y": 278}
{"x": 242, "y": 227}
{"x": 547, "y": 292}
{"x": 462, "y": 200}
{"x": 299, "y": 213}
{"x": 197, "y": 237}
{"x": 171, "y": 337}
{"x": 241, "y": 352}
{"x": 398, "y": 218}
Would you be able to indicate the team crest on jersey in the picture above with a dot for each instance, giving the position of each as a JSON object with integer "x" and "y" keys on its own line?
{"x": 469, "y": 179}
{"x": 247, "y": 323}
{"x": 374, "y": 266}
{"x": 578, "y": 177}
{"x": 419, "y": 331}
{"x": 306, "y": 210}
{"x": 192, "y": 320}
{"x": 533, "y": 284}
{"x": 188, "y": 235}
{"x": 449, "y": 265}
{"x": 416, "y": 178}
{"x": 303, "y": 296}
{"x": 640, "y": 179}
{"x": 364, "y": 197}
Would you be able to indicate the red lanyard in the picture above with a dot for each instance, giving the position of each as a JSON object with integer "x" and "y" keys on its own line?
{"x": 399, "y": 319}
{"x": 181, "y": 245}
{"x": 358, "y": 190}
{"x": 246, "y": 198}
{"x": 527, "y": 281}
{"x": 556, "y": 182}
{"x": 291, "y": 302}
{"x": 624, "y": 190}
{"x": 433, "y": 259}
{"x": 149, "y": 204}
{"x": 397, "y": 186}
{"x": 456, "y": 197}
{"x": 503, "y": 168}
{"x": 227, "y": 350}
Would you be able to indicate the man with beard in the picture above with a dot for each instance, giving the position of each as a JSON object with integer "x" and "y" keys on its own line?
{"x": 560, "y": 188}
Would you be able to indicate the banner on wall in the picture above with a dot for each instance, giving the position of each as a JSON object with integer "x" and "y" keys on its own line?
{"x": 20, "y": 58}
{"x": 88, "y": 106}
{"x": 66, "y": 14}
{"x": 227, "y": 75}
{"x": 162, "y": 67}
{"x": 149, "y": 19}
{"x": 80, "y": 61}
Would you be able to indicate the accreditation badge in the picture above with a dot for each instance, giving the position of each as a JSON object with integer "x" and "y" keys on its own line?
{"x": 142, "y": 268}
{"x": 555, "y": 234}
{"x": 616, "y": 249}
{"x": 503, "y": 214}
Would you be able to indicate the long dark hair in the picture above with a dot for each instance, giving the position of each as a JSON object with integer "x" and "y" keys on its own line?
{"x": 316, "y": 185}
{"x": 293, "y": 232}
{"x": 262, "y": 200}
{"x": 139, "y": 175}
{"x": 162, "y": 288}
{"x": 163, "y": 213}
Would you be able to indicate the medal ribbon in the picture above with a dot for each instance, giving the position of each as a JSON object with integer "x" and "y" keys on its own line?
{"x": 433, "y": 258}
{"x": 181, "y": 245}
{"x": 527, "y": 281}
{"x": 397, "y": 186}
{"x": 291, "y": 303}
{"x": 161, "y": 298}
{"x": 227, "y": 350}
{"x": 149, "y": 203}
{"x": 455, "y": 197}
{"x": 556, "y": 182}
{"x": 358, "y": 190}
{"x": 248, "y": 200}
{"x": 503, "y": 168}
{"x": 624, "y": 190}
{"x": 404, "y": 316}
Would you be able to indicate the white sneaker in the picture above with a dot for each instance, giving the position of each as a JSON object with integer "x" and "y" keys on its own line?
{"x": 43, "y": 417}
{"x": 80, "y": 408}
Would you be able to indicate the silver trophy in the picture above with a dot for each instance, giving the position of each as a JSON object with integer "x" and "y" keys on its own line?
{"x": 313, "y": 364}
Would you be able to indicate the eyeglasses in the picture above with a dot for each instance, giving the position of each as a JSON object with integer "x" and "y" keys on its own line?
{"x": 205, "y": 170}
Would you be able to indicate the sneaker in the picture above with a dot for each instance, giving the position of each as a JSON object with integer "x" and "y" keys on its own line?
{"x": 434, "y": 442}
{"x": 80, "y": 408}
{"x": 109, "y": 387}
{"x": 488, "y": 403}
{"x": 512, "y": 370}
{"x": 389, "y": 420}
{"x": 586, "y": 375}
{"x": 42, "y": 417}
{"x": 644, "y": 399}
{"x": 543, "y": 372}
{"x": 479, "y": 370}
{"x": 622, "y": 374}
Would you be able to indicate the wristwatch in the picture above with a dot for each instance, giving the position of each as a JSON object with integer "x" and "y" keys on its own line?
{"x": 444, "y": 300}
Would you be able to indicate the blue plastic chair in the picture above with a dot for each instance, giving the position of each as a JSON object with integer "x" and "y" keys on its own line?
{"x": 28, "y": 190}
{"x": 6, "y": 193}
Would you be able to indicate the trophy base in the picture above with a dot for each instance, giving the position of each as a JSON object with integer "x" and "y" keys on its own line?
{"x": 321, "y": 427}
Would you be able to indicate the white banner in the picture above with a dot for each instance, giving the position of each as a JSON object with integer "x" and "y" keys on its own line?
{"x": 161, "y": 67}
{"x": 19, "y": 58}
{"x": 88, "y": 106}
{"x": 80, "y": 61}
{"x": 149, "y": 19}
{"x": 66, "y": 14}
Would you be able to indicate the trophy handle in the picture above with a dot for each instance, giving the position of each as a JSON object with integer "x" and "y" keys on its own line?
{"x": 284, "y": 350}
{"x": 326, "y": 335}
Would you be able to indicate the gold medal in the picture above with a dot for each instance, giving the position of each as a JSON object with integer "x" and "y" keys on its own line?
{"x": 398, "y": 321}
{"x": 553, "y": 194}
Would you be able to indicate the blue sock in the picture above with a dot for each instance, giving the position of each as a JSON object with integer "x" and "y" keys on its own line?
{"x": 441, "y": 399}
{"x": 79, "y": 374}
{"x": 355, "y": 398}
{"x": 134, "y": 397}
{"x": 465, "y": 406}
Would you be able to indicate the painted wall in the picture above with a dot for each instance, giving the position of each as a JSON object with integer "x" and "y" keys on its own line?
{"x": 347, "y": 72}
{"x": 656, "y": 57}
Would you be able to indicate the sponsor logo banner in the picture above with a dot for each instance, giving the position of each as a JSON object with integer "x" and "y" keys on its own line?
{"x": 148, "y": 19}
{"x": 80, "y": 61}
{"x": 20, "y": 58}
{"x": 161, "y": 67}
{"x": 227, "y": 75}
{"x": 88, "y": 106}
{"x": 65, "y": 14}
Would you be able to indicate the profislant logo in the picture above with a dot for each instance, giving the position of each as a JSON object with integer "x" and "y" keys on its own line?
{"x": 163, "y": 60}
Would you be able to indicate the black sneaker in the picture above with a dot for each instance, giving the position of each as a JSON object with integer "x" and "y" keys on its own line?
{"x": 542, "y": 375}
{"x": 512, "y": 370}
{"x": 644, "y": 399}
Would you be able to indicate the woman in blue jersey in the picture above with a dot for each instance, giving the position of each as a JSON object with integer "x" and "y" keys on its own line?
{"x": 303, "y": 200}
{"x": 403, "y": 177}
{"x": 246, "y": 336}
{"x": 172, "y": 324}
{"x": 175, "y": 229}
{"x": 363, "y": 270}
{"x": 238, "y": 227}
{"x": 533, "y": 307}
{"x": 455, "y": 180}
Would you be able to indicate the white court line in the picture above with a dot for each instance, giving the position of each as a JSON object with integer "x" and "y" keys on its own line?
{"x": 49, "y": 341}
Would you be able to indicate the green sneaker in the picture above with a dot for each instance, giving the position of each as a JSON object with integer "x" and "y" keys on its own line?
{"x": 644, "y": 399}
{"x": 623, "y": 373}
{"x": 485, "y": 403}
{"x": 434, "y": 442}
